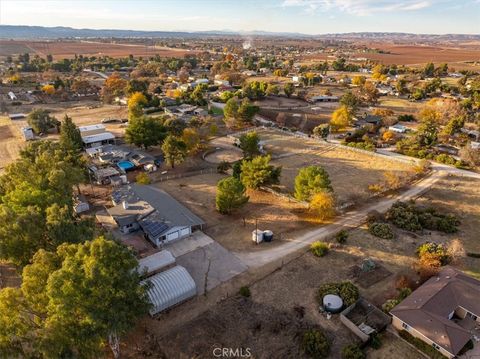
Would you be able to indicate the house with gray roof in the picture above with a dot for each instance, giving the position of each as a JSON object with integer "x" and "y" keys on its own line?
{"x": 152, "y": 210}
{"x": 444, "y": 312}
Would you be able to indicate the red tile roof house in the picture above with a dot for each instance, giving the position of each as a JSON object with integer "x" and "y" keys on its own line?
{"x": 444, "y": 312}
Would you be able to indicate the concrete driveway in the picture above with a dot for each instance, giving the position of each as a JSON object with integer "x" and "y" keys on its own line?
{"x": 209, "y": 263}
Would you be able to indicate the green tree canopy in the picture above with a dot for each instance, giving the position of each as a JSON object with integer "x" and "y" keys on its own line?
{"x": 259, "y": 172}
{"x": 311, "y": 180}
{"x": 230, "y": 195}
{"x": 36, "y": 204}
{"x": 288, "y": 89}
{"x": 72, "y": 302}
{"x": 145, "y": 132}
{"x": 174, "y": 150}
{"x": 70, "y": 137}
{"x": 249, "y": 144}
{"x": 41, "y": 121}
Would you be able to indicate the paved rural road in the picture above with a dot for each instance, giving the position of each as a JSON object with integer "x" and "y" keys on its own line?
{"x": 348, "y": 220}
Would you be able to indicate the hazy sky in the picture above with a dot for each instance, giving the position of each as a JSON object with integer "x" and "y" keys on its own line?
{"x": 305, "y": 16}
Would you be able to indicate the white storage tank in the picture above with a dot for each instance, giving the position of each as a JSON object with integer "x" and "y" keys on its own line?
{"x": 257, "y": 236}
{"x": 332, "y": 303}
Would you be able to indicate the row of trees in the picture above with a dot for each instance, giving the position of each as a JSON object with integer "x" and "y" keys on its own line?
{"x": 77, "y": 293}
{"x": 312, "y": 183}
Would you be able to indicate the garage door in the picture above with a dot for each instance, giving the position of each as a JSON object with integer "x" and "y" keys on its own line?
{"x": 185, "y": 232}
{"x": 172, "y": 236}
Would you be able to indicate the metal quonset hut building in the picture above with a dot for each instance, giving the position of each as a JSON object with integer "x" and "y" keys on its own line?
{"x": 170, "y": 288}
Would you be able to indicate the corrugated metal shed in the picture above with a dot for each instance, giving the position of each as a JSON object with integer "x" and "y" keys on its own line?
{"x": 155, "y": 262}
{"x": 169, "y": 288}
{"x": 98, "y": 138}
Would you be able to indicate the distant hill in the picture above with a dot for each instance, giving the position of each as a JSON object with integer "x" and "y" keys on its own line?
{"x": 41, "y": 32}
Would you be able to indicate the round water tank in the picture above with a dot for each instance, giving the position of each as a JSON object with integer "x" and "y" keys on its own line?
{"x": 332, "y": 303}
{"x": 267, "y": 236}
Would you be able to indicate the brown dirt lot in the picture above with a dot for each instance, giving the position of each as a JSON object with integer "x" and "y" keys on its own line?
{"x": 10, "y": 142}
{"x": 270, "y": 321}
{"x": 68, "y": 49}
{"x": 270, "y": 212}
{"x": 350, "y": 172}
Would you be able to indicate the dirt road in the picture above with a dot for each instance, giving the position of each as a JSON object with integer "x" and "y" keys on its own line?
{"x": 348, "y": 220}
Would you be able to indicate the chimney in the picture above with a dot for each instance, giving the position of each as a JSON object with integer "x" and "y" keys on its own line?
{"x": 125, "y": 204}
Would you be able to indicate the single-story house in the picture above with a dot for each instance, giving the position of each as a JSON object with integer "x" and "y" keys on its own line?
{"x": 104, "y": 175}
{"x": 90, "y": 130}
{"x": 95, "y": 136}
{"x": 444, "y": 312}
{"x": 161, "y": 218}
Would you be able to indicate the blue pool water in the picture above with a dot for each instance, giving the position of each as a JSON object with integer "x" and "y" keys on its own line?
{"x": 125, "y": 165}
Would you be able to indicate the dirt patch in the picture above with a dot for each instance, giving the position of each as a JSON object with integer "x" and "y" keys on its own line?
{"x": 263, "y": 329}
{"x": 366, "y": 279}
{"x": 6, "y": 133}
{"x": 234, "y": 231}
{"x": 224, "y": 155}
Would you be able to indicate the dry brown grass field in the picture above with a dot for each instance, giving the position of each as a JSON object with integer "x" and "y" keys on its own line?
{"x": 68, "y": 49}
{"x": 350, "y": 172}
{"x": 235, "y": 231}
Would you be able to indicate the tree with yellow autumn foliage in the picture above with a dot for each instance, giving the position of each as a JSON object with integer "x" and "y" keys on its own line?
{"x": 341, "y": 118}
{"x": 322, "y": 205}
{"x": 48, "y": 89}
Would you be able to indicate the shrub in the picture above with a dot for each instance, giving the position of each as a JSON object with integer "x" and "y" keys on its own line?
{"x": 381, "y": 230}
{"x": 244, "y": 291}
{"x": 406, "y": 215}
{"x": 375, "y": 341}
{"x": 315, "y": 344}
{"x": 346, "y": 290}
{"x": 390, "y": 304}
{"x": 319, "y": 249}
{"x": 367, "y": 146}
{"x": 142, "y": 178}
{"x": 421, "y": 345}
{"x": 433, "y": 254}
{"x": 342, "y": 236}
{"x": 352, "y": 351}
{"x": 375, "y": 188}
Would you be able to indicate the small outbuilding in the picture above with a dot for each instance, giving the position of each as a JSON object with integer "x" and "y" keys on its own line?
{"x": 155, "y": 262}
{"x": 169, "y": 288}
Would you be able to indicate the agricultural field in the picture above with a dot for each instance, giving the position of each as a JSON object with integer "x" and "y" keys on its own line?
{"x": 235, "y": 231}
{"x": 401, "y": 54}
{"x": 351, "y": 172}
{"x": 68, "y": 49}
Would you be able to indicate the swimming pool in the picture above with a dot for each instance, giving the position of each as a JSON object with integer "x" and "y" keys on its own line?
{"x": 126, "y": 165}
